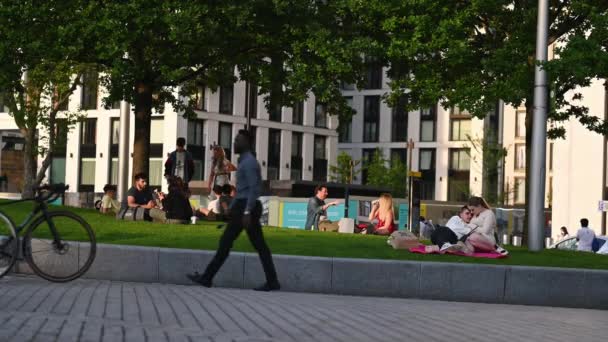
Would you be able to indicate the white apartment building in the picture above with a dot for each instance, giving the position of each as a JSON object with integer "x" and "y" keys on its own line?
{"x": 291, "y": 143}
{"x": 451, "y": 165}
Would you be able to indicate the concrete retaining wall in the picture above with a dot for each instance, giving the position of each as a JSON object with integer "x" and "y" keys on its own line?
{"x": 367, "y": 277}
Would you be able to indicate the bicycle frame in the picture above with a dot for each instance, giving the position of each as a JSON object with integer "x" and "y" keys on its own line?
{"x": 41, "y": 208}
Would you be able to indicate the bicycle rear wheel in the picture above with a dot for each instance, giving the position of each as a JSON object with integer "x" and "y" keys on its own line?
{"x": 9, "y": 244}
{"x": 63, "y": 257}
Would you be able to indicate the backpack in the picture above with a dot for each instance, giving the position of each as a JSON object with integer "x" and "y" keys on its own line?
{"x": 98, "y": 205}
{"x": 133, "y": 214}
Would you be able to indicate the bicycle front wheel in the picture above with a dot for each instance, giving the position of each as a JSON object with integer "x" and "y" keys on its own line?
{"x": 60, "y": 247}
{"x": 9, "y": 244}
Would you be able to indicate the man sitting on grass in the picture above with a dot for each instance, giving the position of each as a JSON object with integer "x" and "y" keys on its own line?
{"x": 316, "y": 213}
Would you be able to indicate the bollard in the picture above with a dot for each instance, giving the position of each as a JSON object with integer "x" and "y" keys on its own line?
{"x": 548, "y": 242}
{"x": 516, "y": 241}
{"x": 505, "y": 239}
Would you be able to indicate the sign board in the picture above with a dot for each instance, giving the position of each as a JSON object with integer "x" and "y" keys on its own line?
{"x": 602, "y": 206}
{"x": 403, "y": 210}
{"x": 416, "y": 174}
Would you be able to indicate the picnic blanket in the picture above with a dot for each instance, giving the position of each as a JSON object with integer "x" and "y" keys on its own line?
{"x": 493, "y": 255}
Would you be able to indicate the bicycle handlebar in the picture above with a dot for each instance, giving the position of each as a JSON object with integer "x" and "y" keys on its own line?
{"x": 50, "y": 192}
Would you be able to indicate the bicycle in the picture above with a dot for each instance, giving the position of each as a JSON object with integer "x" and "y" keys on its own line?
{"x": 58, "y": 246}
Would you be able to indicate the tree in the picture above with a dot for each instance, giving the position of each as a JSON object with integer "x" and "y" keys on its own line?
{"x": 345, "y": 167}
{"x": 473, "y": 54}
{"x": 384, "y": 174}
{"x": 43, "y": 53}
{"x": 155, "y": 51}
{"x": 493, "y": 155}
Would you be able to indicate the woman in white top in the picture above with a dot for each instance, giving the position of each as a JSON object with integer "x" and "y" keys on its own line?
{"x": 483, "y": 218}
{"x": 220, "y": 168}
{"x": 563, "y": 235}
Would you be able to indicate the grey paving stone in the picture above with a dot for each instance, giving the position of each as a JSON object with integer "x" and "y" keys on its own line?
{"x": 462, "y": 282}
{"x": 596, "y": 289}
{"x": 307, "y": 274}
{"x": 245, "y": 315}
{"x": 546, "y": 286}
{"x": 174, "y": 264}
{"x": 370, "y": 277}
{"x": 125, "y": 263}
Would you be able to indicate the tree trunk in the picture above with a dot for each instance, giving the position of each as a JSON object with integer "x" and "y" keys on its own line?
{"x": 143, "y": 118}
{"x": 29, "y": 163}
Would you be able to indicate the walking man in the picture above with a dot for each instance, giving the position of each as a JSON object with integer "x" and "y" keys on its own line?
{"x": 245, "y": 212}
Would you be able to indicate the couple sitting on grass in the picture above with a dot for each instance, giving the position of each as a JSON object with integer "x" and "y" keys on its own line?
{"x": 472, "y": 230}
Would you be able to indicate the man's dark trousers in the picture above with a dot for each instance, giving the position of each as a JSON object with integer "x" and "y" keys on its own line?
{"x": 254, "y": 232}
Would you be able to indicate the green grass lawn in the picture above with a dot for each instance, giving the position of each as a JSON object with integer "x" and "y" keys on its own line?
{"x": 296, "y": 242}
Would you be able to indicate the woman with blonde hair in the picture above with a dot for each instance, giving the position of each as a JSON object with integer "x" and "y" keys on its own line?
{"x": 382, "y": 210}
{"x": 220, "y": 168}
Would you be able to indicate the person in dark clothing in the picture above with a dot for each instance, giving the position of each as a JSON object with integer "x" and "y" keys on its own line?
{"x": 139, "y": 195}
{"x": 180, "y": 163}
{"x": 176, "y": 204}
{"x": 245, "y": 211}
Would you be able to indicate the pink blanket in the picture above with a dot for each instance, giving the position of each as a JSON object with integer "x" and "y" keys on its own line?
{"x": 492, "y": 255}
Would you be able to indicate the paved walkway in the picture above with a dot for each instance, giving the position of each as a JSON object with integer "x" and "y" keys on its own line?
{"x": 86, "y": 310}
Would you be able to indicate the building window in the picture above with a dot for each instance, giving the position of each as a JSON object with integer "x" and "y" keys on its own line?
{"x": 458, "y": 174}
{"x": 254, "y": 139}
{"x": 347, "y": 86}
{"x": 88, "y": 148}
{"x": 399, "y": 126}
{"x": 114, "y": 145}
{"x": 366, "y": 158}
{"x": 428, "y": 119}
{"x": 296, "y": 156}
{"x": 88, "y": 99}
{"x": 274, "y": 154}
{"x": 200, "y": 102}
{"x": 520, "y": 124}
{"x": 520, "y": 156}
{"x": 59, "y": 152}
{"x": 320, "y": 115}
{"x": 373, "y": 77}
{"x": 320, "y": 159}
{"x": 252, "y": 88}
{"x": 156, "y": 166}
{"x": 298, "y": 113}
{"x": 400, "y": 154}
{"x": 551, "y": 157}
{"x": 276, "y": 111}
{"x": 345, "y": 127}
{"x": 196, "y": 147}
{"x": 427, "y": 168}
{"x": 226, "y": 99}
{"x": 371, "y": 118}
{"x": 519, "y": 193}
{"x": 460, "y": 124}
{"x": 225, "y": 138}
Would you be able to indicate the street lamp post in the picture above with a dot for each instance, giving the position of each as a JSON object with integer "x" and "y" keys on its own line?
{"x": 536, "y": 217}
{"x": 123, "y": 152}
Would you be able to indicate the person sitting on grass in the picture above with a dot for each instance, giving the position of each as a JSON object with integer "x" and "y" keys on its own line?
{"x": 109, "y": 203}
{"x": 463, "y": 236}
{"x": 218, "y": 209}
{"x": 382, "y": 210}
{"x": 175, "y": 205}
{"x": 316, "y": 212}
{"x": 139, "y": 195}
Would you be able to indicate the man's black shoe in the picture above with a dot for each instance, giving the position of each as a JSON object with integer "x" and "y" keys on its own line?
{"x": 275, "y": 286}
{"x": 199, "y": 279}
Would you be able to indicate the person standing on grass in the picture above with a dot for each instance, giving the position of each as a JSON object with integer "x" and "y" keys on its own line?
{"x": 585, "y": 237}
{"x": 245, "y": 210}
{"x": 180, "y": 163}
